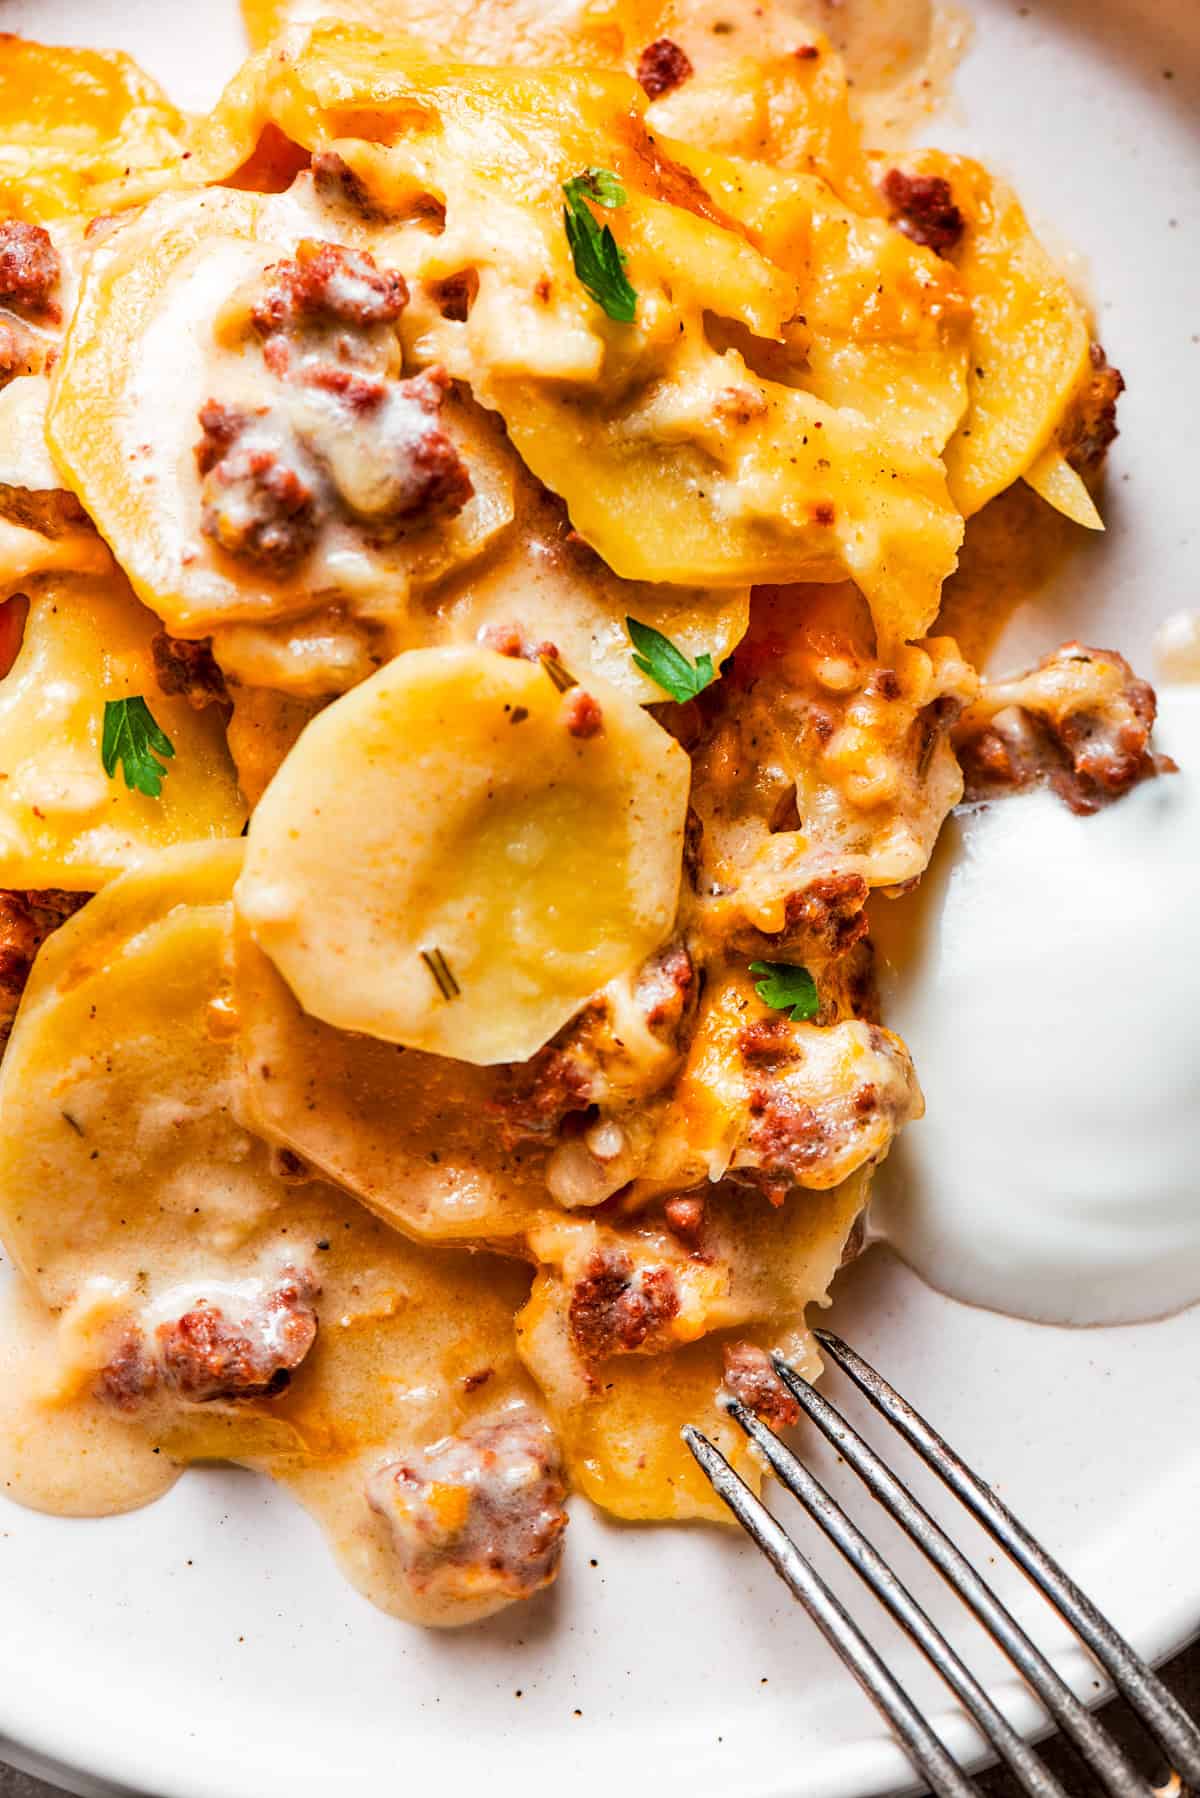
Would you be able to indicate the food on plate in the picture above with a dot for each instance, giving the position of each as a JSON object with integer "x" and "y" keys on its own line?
{"x": 474, "y": 514}
{"x": 526, "y": 850}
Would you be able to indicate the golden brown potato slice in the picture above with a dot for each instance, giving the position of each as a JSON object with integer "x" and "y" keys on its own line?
{"x": 223, "y": 513}
{"x": 627, "y": 1326}
{"x": 678, "y": 461}
{"x": 886, "y": 322}
{"x": 1030, "y": 339}
{"x": 223, "y": 1304}
{"x": 84, "y": 131}
{"x": 742, "y": 87}
{"x": 63, "y": 821}
{"x": 458, "y": 853}
{"x": 416, "y": 1137}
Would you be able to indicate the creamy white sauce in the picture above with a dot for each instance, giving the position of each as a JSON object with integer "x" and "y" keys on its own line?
{"x": 1046, "y": 978}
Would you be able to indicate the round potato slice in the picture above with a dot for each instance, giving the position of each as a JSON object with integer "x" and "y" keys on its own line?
{"x": 160, "y": 336}
{"x": 458, "y": 853}
{"x": 413, "y": 1136}
{"x": 63, "y": 821}
{"x": 136, "y": 1203}
{"x": 619, "y": 1397}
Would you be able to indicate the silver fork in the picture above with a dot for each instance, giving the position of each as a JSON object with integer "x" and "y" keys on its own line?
{"x": 1162, "y": 1714}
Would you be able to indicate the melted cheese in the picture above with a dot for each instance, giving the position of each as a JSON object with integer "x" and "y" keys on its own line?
{"x": 145, "y": 352}
{"x": 81, "y": 131}
{"x": 676, "y": 460}
{"x": 117, "y": 1113}
{"x": 820, "y": 758}
{"x": 756, "y": 1271}
{"x": 818, "y": 1074}
{"x": 1029, "y": 348}
{"x": 886, "y": 322}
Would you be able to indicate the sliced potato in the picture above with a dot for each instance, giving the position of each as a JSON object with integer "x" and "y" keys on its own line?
{"x": 129, "y": 1189}
{"x": 757, "y": 1270}
{"x": 544, "y": 585}
{"x": 1030, "y": 339}
{"x": 145, "y": 352}
{"x": 26, "y": 552}
{"x": 678, "y": 461}
{"x": 25, "y": 463}
{"x": 494, "y": 31}
{"x": 63, "y": 821}
{"x": 758, "y": 98}
{"x": 1052, "y": 476}
{"x": 413, "y": 1136}
{"x": 81, "y": 131}
{"x": 262, "y": 728}
{"x": 623, "y": 1443}
{"x": 91, "y": 1127}
{"x": 808, "y": 494}
{"x": 457, "y": 854}
{"x": 887, "y": 323}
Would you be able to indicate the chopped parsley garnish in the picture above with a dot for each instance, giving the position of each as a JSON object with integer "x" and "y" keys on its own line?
{"x": 667, "y": 665}
{"x": 786, "y": 987}
{"x": 132, "y": 737}
{"x": 599, "y": 260}
{"x": 561, "y": 677}
{"x": 439, "y": 967}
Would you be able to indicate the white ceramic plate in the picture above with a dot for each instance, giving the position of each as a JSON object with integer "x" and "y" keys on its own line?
{"x": 206, "y": 1647}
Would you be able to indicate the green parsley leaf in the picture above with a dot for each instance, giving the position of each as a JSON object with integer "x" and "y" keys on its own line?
{"x": 133, "y": 738}
{"x": 785, "y": 986}
{"x": 667, "y": 665}
{"x": 599, "y": 261}
{"x": 600, "y": 185}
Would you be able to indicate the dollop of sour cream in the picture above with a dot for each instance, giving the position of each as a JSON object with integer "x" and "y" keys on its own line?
{"x": 1046, "y": 976}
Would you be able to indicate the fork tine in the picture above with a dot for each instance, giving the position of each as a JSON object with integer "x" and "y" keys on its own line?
{"x": 1033, "y": 1777}
{"x": 1158, "y": 1708}
{"x": 946, "y": 1778}
{"x": 1118, "y": 1774}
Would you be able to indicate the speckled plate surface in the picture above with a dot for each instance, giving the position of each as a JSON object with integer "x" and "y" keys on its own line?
{"x": 207, "y": 1648}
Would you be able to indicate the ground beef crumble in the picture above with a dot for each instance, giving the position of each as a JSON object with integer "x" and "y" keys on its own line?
{"x": 663, "y": 66}
{"x": 479, "y": 1514}
{"x": 337, "y": 184}
{"x": 1080, "y": 722}
{"x": 587, "y": 1063}
{"x": 615, "y": 1309}
{"x": 829, "y": 915}
{"x": 27, "y": 918}
{"x": 188, "y": 670}
{"x": 206, "y": 1356}
{"x": 751, "y": 1378}
{"x": 1091, "y": 423}
{"x": 923, "y": 207}
{"x": 787, "y": 1136}
{"x": 29, "y": 269}
{"x": 582, "y": 714}
{"x": 328, "y": 281}
{"x": 273, "y": 475}
{"x": 256, "y": 504}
